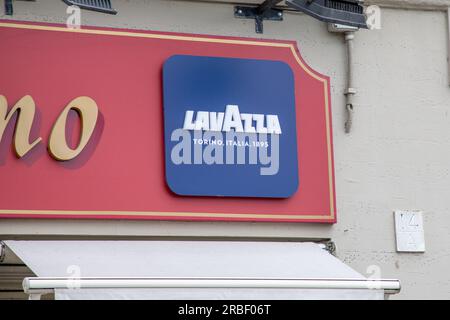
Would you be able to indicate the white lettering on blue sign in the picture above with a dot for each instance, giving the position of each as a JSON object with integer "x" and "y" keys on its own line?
{"x": 232, "y": 119}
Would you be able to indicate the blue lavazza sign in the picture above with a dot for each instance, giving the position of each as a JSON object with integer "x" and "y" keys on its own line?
{"x": 230, "y": 127}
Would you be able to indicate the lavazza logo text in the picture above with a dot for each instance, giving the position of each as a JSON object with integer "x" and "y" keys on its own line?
{"x": 228, "y": 138}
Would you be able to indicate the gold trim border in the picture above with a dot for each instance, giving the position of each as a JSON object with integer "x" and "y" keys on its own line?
{"x": 186, "y": 215}
{"x": 195, "y": 39}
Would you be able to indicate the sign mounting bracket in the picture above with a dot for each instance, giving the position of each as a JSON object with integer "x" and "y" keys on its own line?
{"x": 265, "y": 11}
{"x": 9, "y": 7}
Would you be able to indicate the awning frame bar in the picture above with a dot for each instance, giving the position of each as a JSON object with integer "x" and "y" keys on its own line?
{"x": 36, "y": 286}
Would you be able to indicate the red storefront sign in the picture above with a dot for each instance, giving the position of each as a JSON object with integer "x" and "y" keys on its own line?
{"x": 119, "y": 174}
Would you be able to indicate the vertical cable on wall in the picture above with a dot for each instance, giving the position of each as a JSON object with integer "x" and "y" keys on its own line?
{"x": 350, "y": 91}
{"x": 448, "y": 44}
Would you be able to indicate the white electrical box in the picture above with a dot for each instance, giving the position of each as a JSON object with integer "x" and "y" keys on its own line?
{"x": 409, "y": 231}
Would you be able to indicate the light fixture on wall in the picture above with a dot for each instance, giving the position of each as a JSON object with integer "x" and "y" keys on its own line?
{"x": 94, "y": 5}
{"x": 339, "y": 13}
{"x": 345, "y": 12}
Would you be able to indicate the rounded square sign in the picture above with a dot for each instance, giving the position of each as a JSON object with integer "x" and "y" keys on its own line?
{"x": 230, "y": 127}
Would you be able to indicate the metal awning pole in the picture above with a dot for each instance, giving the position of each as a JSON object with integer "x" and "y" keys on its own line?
{"x": 37, "y": 285}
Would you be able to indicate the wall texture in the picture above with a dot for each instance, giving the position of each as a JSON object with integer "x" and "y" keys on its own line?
{"x": 396, "y": 157}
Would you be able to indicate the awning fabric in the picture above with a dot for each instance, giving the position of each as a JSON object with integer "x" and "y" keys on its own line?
{"x": 237, "y": 259}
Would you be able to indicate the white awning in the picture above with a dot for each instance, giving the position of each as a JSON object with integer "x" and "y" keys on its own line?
{"x": 191, "y": 270}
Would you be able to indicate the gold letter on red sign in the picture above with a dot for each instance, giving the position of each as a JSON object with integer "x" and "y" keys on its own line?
{"x": 88, "y": 112}
{"x": 26, "y": 109}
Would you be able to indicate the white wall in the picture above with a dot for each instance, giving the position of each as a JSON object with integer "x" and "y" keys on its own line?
{"x": 396, "y": 157}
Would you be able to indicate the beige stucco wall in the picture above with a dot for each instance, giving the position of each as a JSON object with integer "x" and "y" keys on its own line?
{"x": 396, "y": 157}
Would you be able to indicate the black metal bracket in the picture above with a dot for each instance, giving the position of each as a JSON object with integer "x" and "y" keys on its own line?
{"x": 265, "y": 11}
{"x": 9, "y": 7}
{"x": 330, "y": 246}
